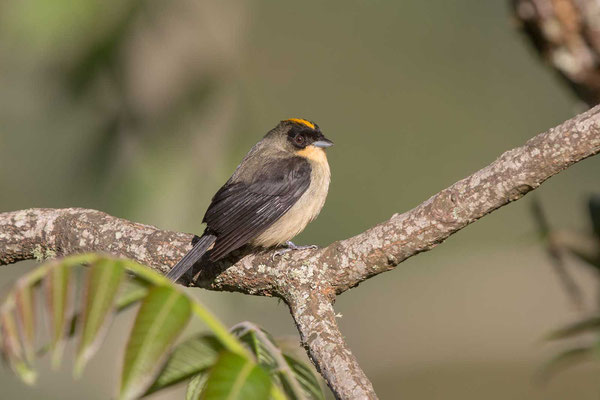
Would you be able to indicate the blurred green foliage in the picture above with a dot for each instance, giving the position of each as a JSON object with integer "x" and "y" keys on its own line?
{"x": 245, "y": 363}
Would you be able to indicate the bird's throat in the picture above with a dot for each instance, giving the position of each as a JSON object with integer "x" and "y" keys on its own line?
{"x": 313, "y": 153}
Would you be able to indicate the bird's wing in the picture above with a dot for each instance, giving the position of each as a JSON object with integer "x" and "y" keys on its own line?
{"x": 240, "y": 211}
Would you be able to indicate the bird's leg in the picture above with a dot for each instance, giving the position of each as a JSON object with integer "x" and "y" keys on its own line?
{"x": 289, "y": 246}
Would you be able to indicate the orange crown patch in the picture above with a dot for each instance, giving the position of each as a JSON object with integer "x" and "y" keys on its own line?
{"x": 302, "y": 122}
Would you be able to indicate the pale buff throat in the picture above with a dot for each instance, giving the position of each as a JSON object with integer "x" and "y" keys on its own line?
{"x": 308, "y": 206}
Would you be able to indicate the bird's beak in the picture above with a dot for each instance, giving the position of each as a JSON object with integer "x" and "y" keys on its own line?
{"x": 323, "y": 143}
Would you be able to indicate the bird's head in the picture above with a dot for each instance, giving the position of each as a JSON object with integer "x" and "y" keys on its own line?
{"x": 300, "y": 137}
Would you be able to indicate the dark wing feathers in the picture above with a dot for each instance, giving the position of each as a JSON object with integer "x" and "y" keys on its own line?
{"x": 240, "y": 211}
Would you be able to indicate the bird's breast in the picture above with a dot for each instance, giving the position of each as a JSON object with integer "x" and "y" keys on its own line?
{"x": 306, "y": 209}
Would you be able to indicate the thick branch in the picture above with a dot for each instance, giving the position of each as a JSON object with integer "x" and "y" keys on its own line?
{"x": 30, "y": 233}
{"x": 315, "y": 319}
{"x": 297, "y": 277}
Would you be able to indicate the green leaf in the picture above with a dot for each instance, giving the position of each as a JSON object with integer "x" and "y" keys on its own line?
{"x": 196, "y": 386}
{"x": 567, "y": 359}
{"x": 305, "y": 377}
{"x": 132, "y": 293}
{"x": 162, "y": 316}
{"x": 57, "y": 292}
{"x": 146, "y": 274}
{"x": 164, "y": 313}
{"x": 11, "y": 347}
{"x": 584, "y": 326}
{"x": 220, "y": 331}
{"x": 25, "y": 313}
{"x": 236, "y": 378}
{"x": 189, "y": 358}
{"x": 297, "y": 380}
{"x": 251, "y": 335}
{"x": 104, "y": 280}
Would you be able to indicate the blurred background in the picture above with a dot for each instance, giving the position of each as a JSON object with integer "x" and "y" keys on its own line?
{"x": 143, "y": 109}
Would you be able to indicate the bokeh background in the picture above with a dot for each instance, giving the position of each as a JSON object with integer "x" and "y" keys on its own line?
{"x": 143, "y": 109}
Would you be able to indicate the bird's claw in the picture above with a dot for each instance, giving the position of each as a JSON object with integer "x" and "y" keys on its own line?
{"x": 291, "y": 246}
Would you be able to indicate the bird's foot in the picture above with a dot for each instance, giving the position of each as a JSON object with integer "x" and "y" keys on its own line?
{"x": 291, "y": 246}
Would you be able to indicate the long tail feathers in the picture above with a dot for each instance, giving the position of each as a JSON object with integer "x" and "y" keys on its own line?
{"x": 191, "y": 257}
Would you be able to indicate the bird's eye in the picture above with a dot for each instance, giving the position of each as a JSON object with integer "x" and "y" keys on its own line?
{"x": 299, "y": 139}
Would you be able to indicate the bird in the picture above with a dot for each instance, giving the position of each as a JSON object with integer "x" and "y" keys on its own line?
{"x": 274, "y": 193}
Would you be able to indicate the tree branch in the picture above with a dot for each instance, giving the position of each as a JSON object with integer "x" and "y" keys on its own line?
{"x": 315, "y": 319}
{"x": 309, "y": 280}
{"x": 566, "y": 36}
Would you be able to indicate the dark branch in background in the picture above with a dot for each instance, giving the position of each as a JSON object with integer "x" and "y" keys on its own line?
{"x": 570, "y": 287}
{"x": 565, "y": 33}
{"x": 309, "y": 280}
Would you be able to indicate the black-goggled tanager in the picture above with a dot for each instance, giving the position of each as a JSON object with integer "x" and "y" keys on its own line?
{"x": 279, "y": 187}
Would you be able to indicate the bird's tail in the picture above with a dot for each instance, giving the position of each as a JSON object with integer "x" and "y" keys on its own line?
{"x": 192, "y": 256}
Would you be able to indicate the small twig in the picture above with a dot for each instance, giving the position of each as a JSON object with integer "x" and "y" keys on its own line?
{"x": 569, "y": 285}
